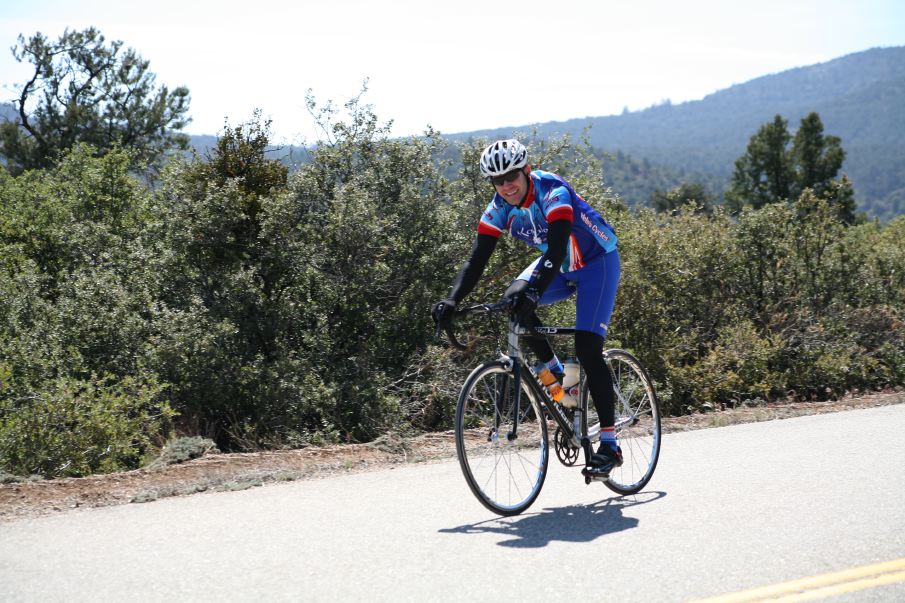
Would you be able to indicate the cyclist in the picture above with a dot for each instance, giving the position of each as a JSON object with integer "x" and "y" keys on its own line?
{"x": 579, "y": 255}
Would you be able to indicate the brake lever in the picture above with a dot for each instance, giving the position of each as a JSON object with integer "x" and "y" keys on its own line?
{"x": 448, "y": 329}
{"x": 452, "y": 338}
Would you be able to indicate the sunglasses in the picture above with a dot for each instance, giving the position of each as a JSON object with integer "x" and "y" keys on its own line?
{"x": 503, "y": 178}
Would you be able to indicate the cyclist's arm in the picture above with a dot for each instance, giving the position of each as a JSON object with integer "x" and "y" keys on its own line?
{"x": 471, "y": 272}
{"x": 550, "y": 262}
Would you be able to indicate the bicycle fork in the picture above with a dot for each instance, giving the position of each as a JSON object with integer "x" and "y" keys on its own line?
{"x": 515, "y": 357}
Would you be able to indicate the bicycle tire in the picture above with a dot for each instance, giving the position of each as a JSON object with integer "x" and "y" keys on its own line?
{"x": 637, "y": 422}
{"x": 506, "y": 475}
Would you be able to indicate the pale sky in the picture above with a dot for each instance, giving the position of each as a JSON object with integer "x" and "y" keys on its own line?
{"x": 460, "y": 65}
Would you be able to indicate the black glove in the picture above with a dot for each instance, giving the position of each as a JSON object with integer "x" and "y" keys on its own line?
{"x": 524, "y": 303}
{"x": 443, "y": 311}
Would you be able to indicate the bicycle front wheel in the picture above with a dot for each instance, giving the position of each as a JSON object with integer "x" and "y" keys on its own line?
{"x": 637, "y": 423}
{"x": 504, "y": 466}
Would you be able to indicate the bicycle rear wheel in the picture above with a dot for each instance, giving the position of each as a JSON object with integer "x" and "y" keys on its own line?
{"x": 637, "y": 423}
{"x": 504, "y": 470}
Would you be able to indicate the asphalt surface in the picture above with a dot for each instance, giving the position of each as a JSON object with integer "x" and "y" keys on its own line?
{"x": 728, "y": 509}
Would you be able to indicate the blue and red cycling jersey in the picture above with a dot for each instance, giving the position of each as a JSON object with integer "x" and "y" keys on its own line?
{"x": 551, "y": 198}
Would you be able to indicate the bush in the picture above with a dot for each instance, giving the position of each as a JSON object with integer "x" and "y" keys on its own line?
{"x": 184, "y": 449}
{"x": 70, "y": 427}
{"x": 851, "y": 349}
{"x": 785, "y": 299}
{"x": 737, "y": 367}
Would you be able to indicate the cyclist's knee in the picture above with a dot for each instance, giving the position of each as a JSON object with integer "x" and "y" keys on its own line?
{"x": 516, "y": 286}
{"x": 589, "y": 349}
{"x": 587, "y": 341}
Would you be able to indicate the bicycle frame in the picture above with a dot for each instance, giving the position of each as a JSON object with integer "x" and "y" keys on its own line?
{"x": 518, "y": 364}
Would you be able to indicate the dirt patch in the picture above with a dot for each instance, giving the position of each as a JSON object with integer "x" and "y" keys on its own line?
{"x": 239, "y": 471}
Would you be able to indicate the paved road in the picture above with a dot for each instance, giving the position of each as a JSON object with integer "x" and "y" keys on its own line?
{"x": 728, "y": 509}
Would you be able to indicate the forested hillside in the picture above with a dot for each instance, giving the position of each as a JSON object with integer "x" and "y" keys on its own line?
{"x": 859, "y": 98}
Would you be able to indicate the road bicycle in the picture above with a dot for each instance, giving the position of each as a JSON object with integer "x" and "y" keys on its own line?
{"x": 504, "y": 414}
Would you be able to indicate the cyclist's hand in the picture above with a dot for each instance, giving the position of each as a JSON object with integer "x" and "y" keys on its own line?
{"x": 524, "y": 303}
{"x": 442, "y": 312}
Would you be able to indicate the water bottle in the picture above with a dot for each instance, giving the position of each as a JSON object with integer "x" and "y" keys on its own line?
{"x": 550, "y": 381}
{"x": 570, "y": 378}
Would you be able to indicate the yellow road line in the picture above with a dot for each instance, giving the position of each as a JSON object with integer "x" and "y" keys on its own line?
{"x": 845, "y": 587}
{"x": 822, "y": 586}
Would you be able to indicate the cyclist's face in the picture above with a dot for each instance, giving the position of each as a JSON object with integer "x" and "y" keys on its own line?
{"x": 513, "y": 191}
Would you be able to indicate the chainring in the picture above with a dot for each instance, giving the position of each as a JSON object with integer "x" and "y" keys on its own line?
{"x": 565, "y": 452}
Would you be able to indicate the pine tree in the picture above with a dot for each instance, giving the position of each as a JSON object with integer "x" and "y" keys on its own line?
{"x": 817, "y": 158}
{"x": 770, "y": 171}
{"x": 764, "y": 173}
{"x": 83, "y": 90}
{"x": 682, "y": 195}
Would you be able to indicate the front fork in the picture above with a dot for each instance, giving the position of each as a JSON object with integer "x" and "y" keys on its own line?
{"x": 515, "y": 357}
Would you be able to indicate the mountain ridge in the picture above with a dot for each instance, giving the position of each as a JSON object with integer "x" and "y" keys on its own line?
{"x": 858, "y": 96}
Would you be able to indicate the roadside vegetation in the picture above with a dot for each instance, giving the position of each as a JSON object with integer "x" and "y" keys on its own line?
{"x": 147, "y": 294}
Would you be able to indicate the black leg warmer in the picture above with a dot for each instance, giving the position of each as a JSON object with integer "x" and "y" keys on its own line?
{"x": 589, "y": 349}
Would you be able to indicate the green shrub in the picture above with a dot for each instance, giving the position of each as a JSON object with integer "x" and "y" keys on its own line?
{"x": 737, "y": 367}
{"x": 850, "y": 349}
{"x": 71, "y": 427}
{"x": 184, "y": 449}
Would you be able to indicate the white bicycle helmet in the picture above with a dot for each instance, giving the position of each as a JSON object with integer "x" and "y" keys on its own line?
{"x": 503, "y": 156}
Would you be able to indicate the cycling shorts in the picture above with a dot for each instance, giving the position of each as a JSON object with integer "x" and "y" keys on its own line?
{"x": 595, "y": 285}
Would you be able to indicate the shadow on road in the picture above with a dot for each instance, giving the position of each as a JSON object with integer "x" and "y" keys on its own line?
{"x": 578, "y": 523}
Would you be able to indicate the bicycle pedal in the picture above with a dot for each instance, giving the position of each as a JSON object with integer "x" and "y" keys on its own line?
{"x": 593, "y": 474}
